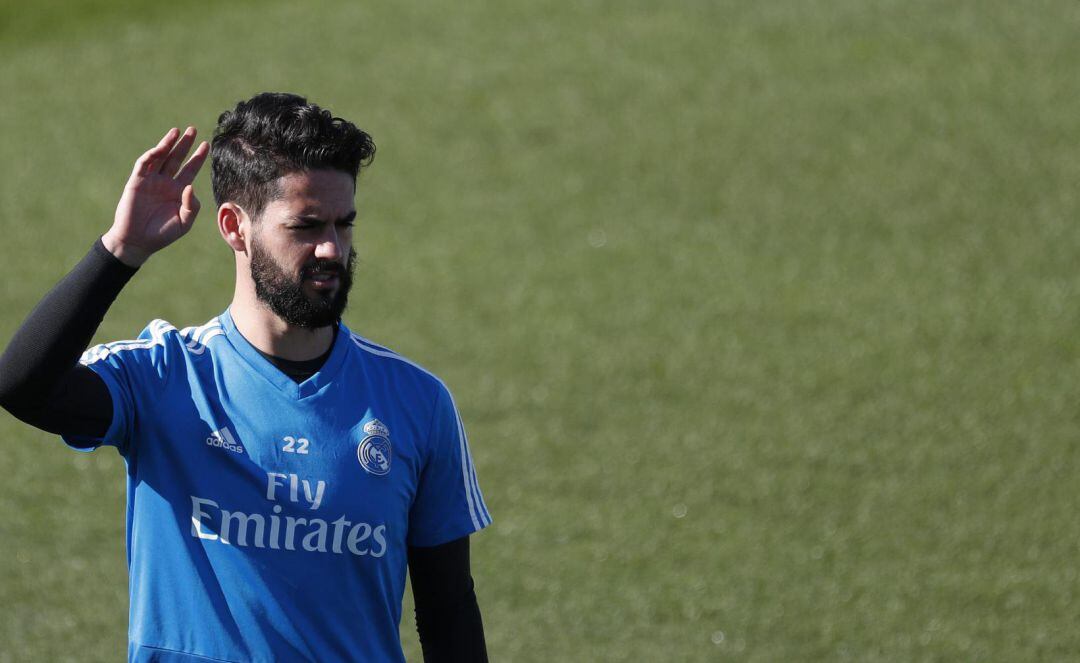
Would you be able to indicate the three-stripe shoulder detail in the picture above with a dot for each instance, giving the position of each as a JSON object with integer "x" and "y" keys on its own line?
{"x": 196, "y": 338}
{"x": 158, "y": 329}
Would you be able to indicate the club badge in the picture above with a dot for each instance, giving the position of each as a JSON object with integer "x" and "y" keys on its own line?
{"x": 376, "y": 427}
{"x": 374, "y": 451}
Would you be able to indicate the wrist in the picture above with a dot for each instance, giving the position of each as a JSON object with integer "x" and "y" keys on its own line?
{"x": 132, "y": 256}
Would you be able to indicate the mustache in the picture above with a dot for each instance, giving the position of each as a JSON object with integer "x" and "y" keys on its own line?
{"x": 327, "y": 266}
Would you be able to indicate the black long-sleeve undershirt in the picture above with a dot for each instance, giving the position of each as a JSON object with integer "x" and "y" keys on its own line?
{"x": 42, "y": 383}
{"x": 447, "y": 613}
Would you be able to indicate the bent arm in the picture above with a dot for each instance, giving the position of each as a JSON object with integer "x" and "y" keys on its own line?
{"x": 41, "y": 381}
{"x": 447, "y": 614}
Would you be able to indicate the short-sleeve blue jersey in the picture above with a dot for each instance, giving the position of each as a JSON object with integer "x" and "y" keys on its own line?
{"x": 268, "y": 520}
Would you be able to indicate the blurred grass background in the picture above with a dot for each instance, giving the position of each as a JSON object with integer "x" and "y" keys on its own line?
{"x": 758, "y": 314}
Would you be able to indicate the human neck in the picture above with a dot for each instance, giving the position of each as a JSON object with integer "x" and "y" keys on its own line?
{"x": 272, "y": 335}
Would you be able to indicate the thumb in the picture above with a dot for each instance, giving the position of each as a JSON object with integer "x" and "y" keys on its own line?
{"x": 189, "y": 207}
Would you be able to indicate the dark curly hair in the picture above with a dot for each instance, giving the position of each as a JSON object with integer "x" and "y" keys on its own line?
{"x": 274, "y": 134}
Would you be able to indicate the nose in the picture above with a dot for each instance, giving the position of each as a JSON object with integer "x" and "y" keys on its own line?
{"x": 330, "y": 246}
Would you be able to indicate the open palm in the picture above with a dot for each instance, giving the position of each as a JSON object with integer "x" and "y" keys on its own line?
{"x": 158, "y": 205}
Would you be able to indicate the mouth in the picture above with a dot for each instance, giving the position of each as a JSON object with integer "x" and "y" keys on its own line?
{"x": 322, "y": 280}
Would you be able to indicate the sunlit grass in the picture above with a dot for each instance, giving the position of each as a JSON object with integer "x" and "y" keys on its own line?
{"x": 761, "y": 317}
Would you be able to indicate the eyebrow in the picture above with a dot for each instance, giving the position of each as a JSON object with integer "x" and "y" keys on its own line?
{"x": 308, "y": 218}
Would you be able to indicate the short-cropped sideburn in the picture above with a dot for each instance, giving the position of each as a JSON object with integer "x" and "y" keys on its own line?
{"x": 274, "y": 134}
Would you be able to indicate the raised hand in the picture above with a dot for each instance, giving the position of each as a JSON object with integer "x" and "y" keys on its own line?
{"x": 158, "y": 205}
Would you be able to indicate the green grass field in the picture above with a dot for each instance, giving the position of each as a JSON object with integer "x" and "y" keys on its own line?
{"x": 762, "y": 317}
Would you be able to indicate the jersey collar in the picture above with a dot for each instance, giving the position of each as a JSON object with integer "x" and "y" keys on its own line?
{"x": 272, "y": 374}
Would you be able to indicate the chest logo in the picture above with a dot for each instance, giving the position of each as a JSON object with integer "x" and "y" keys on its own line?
{"x": 224, "y": 439}
{"x": 374, "y": 450}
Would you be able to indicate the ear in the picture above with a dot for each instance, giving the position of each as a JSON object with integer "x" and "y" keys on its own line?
{"x": 234, "y": 225}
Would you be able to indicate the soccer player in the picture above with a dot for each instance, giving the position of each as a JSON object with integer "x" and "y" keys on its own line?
{"x": 282, "y": 471}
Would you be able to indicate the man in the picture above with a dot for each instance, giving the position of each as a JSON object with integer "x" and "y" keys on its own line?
{"x": 281, "y": 470}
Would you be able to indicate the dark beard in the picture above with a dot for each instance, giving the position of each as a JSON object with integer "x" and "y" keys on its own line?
{"x": 285, "y": 295}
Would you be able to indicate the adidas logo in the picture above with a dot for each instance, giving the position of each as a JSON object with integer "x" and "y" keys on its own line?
{"x": 224, "y": 438}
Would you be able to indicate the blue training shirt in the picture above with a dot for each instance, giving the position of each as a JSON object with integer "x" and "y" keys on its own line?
{"x": 268, "y": 520}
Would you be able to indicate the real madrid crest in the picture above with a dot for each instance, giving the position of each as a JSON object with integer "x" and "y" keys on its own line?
{"x": 373, "y": 451}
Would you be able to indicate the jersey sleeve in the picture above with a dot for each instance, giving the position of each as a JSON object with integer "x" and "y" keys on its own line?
{"x": 448, "y": 503}
{"x": 133, "y": 371}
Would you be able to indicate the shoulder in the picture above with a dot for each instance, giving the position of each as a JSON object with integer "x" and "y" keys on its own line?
{"x": 155, "y": 334}
{"x": 159, "y": 337}
{"x": 386, "y": 360}
{"x": 196, "y": 339}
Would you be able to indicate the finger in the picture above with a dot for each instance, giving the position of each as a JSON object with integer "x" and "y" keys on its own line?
{"x": 187, "y": 174}
{"x": 171, "y": 163}
{"x": 145, "y": 163}
{"x": 189, "y": 207}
